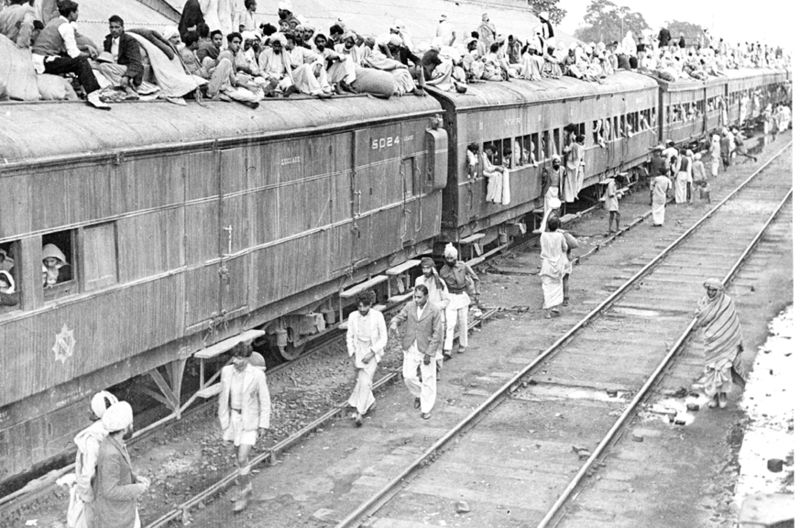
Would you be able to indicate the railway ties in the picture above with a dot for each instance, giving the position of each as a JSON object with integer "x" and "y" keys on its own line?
{"x": 520, "y": 456}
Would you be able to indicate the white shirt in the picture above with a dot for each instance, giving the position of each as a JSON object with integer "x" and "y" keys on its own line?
{"x": 115, "y": 48}
{"x": 67, "y": 32}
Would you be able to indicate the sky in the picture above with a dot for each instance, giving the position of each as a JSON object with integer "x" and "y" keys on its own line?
{"x": 770, "y": 21}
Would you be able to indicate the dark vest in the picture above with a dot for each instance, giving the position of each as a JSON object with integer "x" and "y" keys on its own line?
{"x": 49, "y": 42}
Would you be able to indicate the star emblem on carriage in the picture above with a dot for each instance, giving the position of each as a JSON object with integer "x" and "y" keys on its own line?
{"x": 64, "y": 345}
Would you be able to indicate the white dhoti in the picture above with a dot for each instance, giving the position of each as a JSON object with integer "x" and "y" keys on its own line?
{"x": 553, "y": 290}
{"x": 342, "y": 71}
{"x": 680, "y": 186}
{"x": 551, "y": 203}
{"x": 456, "y": 319}
{"x": 659, "y": 208}
{"x": 715, "y": 165}
{"x": 362, "y": 398}
{"x": 425, "y": 390}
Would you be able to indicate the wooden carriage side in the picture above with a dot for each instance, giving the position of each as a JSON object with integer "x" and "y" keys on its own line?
{"x": 186, "y": 226}
{"x": 527, "y": 119}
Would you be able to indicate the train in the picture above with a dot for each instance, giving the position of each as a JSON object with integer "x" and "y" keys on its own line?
{"x": 171, "y": 233}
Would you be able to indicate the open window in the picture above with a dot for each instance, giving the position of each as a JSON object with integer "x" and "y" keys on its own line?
{"x": 536, "y": 149}
{"x": 507, "y": 151}
{"x": 546, "y": 148}
{"x": 9, "y": 276}
{"x": 59, "y": 277}
{"x": 522, "y": 151}
{"x": 557, "y": 146}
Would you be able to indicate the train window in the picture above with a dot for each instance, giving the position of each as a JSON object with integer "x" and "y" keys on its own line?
{"x": 58, "y": 264}
{"x": 507, "y": 153}
{"x": 582, "y": 130}
{"x": 615, "y": 128}
{"x": 546, "y": 151}
{"x": 556, "y": 142}
{"x": 596, "y": 131}
{"x": 536, "y": 151}
{"x": 100, "y": 256}
{"x": 9, "y": 276}
{"x": 522, "y": 151}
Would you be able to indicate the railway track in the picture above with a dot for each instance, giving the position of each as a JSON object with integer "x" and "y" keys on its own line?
{"x": 575, "y": 394}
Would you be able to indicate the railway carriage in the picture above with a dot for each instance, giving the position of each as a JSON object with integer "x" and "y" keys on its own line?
{"x": 528, "y": 120}
{"x": 186, "y": 226}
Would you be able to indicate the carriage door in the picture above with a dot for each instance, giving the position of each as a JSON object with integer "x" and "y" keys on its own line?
{"x": 360, "y": 193}
{"x": 234, "y": 232}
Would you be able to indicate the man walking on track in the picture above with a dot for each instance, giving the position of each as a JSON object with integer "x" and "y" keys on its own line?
{"x": 716, "y": 315}
{"x": 437, "y": 295}
{"x": 244, "y": 412}
{"x": 421, "y": 339}
{"x": 366, "y": 339}
{"x": 460, "y": 279}
{"x": 88, "y": 442}
{"x": 116, "y": 487}
{"x": 658, "y": 195}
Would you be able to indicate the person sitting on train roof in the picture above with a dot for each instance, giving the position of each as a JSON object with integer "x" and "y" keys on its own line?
{"x": 551, "y": 68}
{"x": 308, "y": 69}
{"x": 493, "y": 69}
{"x": 305, "y": 33}
{"x": 56, "y": 51}
{"x": 191, "y": 18}
{"x": 189, "y": 57}
{"x": 532, "y": 62}
{"x": 348, "y": 47}
{"x": 336, "y": 33}
{"x": 16, "y": 22}
{"x": 55, "y": 268}
{"x": 400, "y": 76}
{"x": 399, "y": 29}
{"x": 471, "y": 62}
{"x": 286, "y": 19}
{"x": 126, "y": 71}
{"x": 340, "y": 68}
{"x": 404, "y": 56}
{"x": 209, "y": 44}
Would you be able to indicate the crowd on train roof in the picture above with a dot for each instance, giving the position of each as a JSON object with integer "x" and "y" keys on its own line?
{"x": 225, "y": 50}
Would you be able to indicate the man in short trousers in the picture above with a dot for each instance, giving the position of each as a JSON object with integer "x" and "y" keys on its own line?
{"x": 244, "y": 412}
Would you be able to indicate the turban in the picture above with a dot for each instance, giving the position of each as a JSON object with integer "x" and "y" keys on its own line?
{"x": 257, "y": 360}
{"x": 278, "y": 37}
{"x": 544, "y": 15}
{"x": 349, "y": 35}
{"x": 118, "y": 417}
{"x": 101, "y": 401}
{"x": 713, "y": 283}
{"x": 427, "y": 262}
{"x": 171, "y": 31}
{"x": 249, "y": 35}
{"x": 450, "y": 251}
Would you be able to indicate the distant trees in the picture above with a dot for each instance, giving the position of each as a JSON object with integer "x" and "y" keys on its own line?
{"x": 605, "y": 21}
{"x": 551, "y": 6}
{"x": 693, "y": 33}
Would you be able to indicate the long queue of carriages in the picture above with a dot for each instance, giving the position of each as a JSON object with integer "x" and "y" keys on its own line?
{"x": 185, "y": 238}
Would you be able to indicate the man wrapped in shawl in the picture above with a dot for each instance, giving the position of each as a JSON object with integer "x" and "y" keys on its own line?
{"x": 722, "y": 332}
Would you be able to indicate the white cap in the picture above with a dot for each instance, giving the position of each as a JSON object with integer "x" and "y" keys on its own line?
{"x": 102, "y": 401}
{"x": 118, "y": 417}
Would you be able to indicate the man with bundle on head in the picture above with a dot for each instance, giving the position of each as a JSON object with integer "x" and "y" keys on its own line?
{"x": 366, "y": 339}
{"x": 116, "y": 487}
{"x": 244, "y": 413}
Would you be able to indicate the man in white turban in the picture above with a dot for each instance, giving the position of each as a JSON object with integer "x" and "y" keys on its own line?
{"x": 460, "y": 281}
{"x": 116, "y": 487}
{"x": 88, "y": 444}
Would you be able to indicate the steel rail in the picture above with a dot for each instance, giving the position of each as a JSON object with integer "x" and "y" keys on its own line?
{"x": 645, "y": 389}
{"x": 375, "y": 501}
